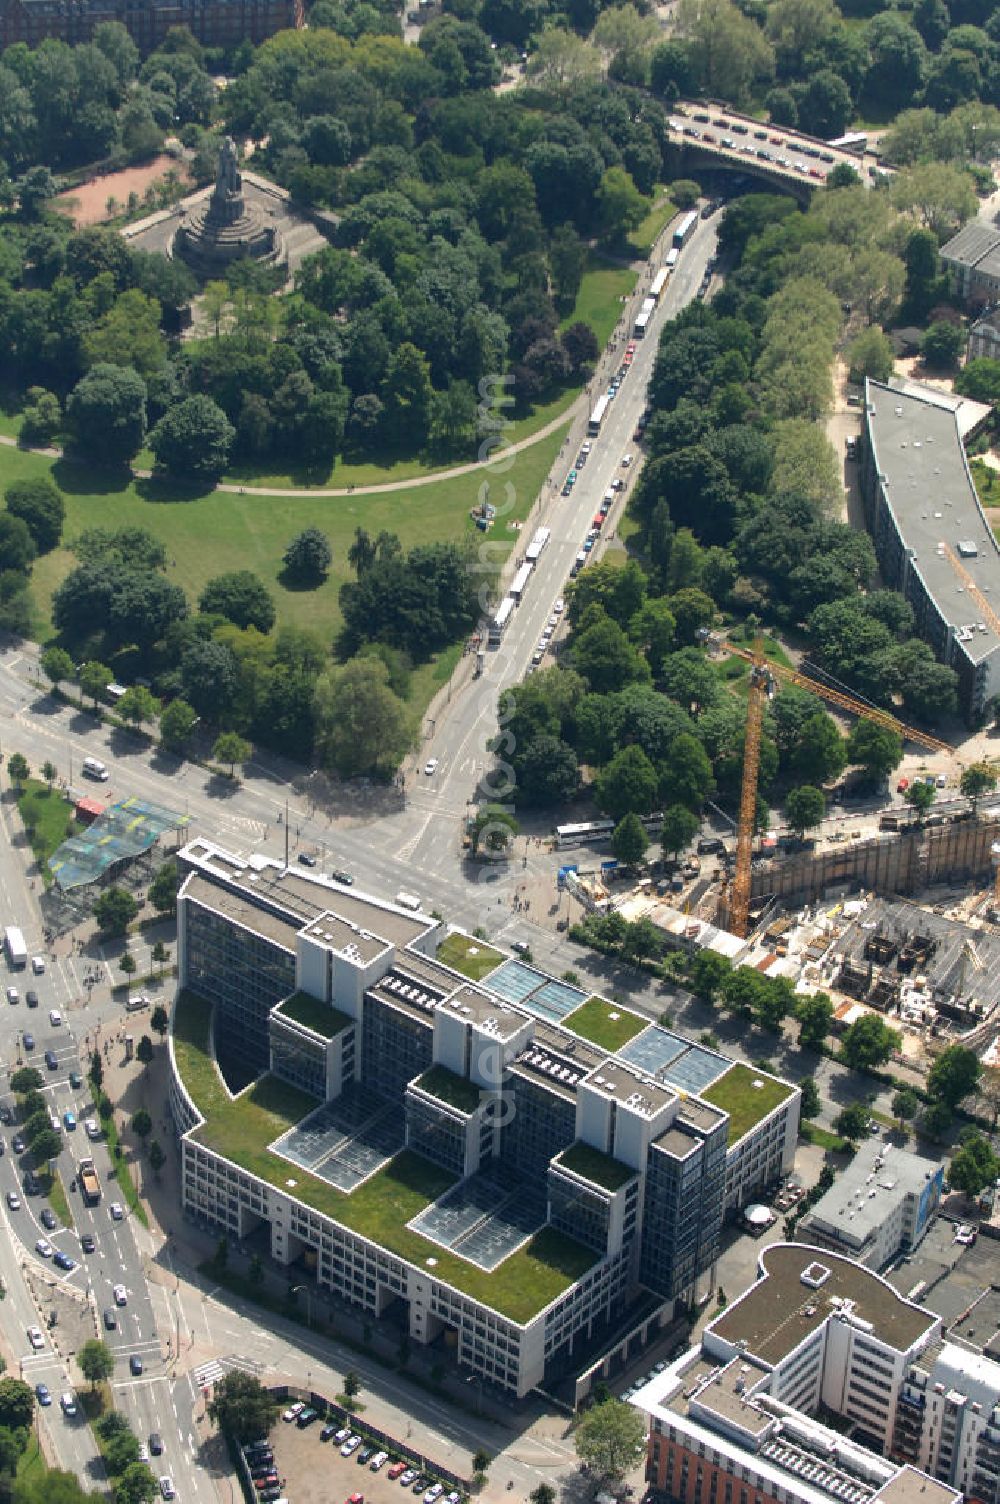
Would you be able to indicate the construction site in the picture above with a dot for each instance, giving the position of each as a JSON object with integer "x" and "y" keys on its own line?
{"x": 905, "y": 924}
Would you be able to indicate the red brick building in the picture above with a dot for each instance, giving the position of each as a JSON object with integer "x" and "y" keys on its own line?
{"x": 216, "y": 23}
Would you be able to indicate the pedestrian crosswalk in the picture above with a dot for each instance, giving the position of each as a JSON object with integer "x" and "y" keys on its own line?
{"x": 217, "y": 1368}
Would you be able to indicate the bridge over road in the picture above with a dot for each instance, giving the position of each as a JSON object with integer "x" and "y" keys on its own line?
{"x": 715, "y": 135}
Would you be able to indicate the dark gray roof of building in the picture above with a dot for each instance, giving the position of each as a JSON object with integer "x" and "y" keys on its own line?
{"x": 921, "y": 463}
{"x": 778, "y": 1312}
{"x": 976, "y": 244}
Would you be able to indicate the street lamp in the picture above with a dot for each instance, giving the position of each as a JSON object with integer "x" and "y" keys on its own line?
{"x": 308, "y": 1295}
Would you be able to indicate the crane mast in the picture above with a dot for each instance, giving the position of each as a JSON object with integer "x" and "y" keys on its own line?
{"x": 764, "y": 677}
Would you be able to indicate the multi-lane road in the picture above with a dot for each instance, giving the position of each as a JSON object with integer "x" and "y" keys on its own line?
{"x": 152, "y": 1400}
{"x": 415, "y": 844}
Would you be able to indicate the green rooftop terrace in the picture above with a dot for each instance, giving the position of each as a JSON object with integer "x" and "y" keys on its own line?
{"x": 605, "y": 1024}
{"x": 473, "y": 958}
{"x": 311, "y": 1013}
{"x": 456, "y": 1091}
{"x": 592, "y": 1164}
{"x": 747, "y": 1103}
{"x": 242, "y": 1128}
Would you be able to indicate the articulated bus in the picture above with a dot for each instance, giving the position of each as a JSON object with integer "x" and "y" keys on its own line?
{"x": 658, "y": 283}
{"x": 520, "y": 583}
{"x": 500, "y": 622}
{"x": 599, "y": 832}
{"x": 684, "y": 229}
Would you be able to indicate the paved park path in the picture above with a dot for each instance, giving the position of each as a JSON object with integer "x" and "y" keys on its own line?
{"x": 492, "y": 458}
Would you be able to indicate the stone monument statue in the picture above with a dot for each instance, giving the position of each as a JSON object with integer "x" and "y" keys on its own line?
{"x": 225, "y": 228}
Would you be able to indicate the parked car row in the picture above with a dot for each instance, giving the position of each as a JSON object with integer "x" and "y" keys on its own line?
{"x": 366, "y": 1453}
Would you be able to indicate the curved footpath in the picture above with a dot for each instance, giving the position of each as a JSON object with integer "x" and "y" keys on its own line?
{"x": 434, "y": 478}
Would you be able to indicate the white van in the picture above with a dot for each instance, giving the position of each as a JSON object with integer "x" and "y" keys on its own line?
{"x": 134, "y": 1004}
{"x": 94, "y": 769}
{"x": 408, "y": 901}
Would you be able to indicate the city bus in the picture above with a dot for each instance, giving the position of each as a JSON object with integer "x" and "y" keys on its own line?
{"x": 658, "y": 283}
{"x": 500, "y": 622}
{"x": 520, "y": 582}
{"x": 598, "y": 415}
{"x": 671, "y": 259}
{"x": 599, "y": 832}
{"x": 684, "y": 229}
{"x": 641, "y": 323}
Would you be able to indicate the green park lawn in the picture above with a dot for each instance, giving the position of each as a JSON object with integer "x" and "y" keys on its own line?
{"x": 209, "y": 534}
{"x": 598, "y": 303}
{"x": 48, "y": 819}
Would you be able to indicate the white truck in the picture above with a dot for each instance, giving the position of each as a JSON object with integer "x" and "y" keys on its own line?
{"x": 17, "y": 951}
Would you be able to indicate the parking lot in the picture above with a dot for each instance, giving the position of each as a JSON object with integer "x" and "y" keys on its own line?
{"x": 314, "y": 1472}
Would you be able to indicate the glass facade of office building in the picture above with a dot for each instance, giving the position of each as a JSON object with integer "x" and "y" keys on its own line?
{"x": 245, "y": 975}
{"x": 298, "y": 1060}
{"x": 583, "y": 1212}
{"x": 394, "y": 1048}
{"x": 539, "y": 1124}
{"x": 682, "y": 1211}
{"x": 435, "y": 1133}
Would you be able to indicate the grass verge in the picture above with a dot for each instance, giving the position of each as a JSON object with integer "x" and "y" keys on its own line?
{"x": 31, "y": 1464}
{"x": 122, "y": 1172}
{"x": 53, "y": 1188}
{"x": 48, "y": 819}
{"x": 823, "y": 1138}
{"x": 649, "y": 231}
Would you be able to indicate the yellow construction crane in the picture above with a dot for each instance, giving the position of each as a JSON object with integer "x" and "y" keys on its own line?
{"x": 764, "y": 679}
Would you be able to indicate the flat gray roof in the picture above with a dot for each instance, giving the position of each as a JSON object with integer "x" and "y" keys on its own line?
{"x": 496, "y": 1017}
{"x": 630, "y": 1088}
{"x": 922, "y": 468}
{"x": 976, "y": 244}
{"x": 863, "y": 1194}
{"x": 278, "y": 928}
{"x": 778, "y": 1312}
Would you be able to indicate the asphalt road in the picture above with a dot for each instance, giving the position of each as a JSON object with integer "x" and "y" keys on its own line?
{"x": 414, "y": 844}
{"x": 461, "y": 736}
{"x": 148, "y": 1400}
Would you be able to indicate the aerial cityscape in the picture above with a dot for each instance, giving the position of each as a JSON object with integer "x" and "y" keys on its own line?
{"x": 499, "y": 715}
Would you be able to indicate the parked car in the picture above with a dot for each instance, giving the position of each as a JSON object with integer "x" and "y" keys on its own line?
{"x": 44, "y": 1247}
{"x": 47, "y": 1217}
{"x": 63, "y": 1260}
{"x": 293, "y": 1411}
{"x": 306, "y": 1417}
